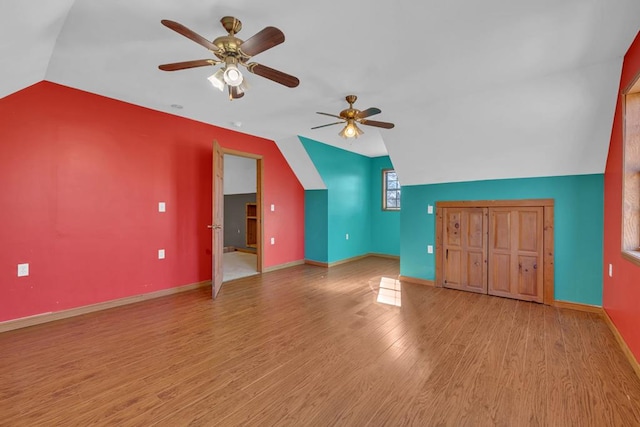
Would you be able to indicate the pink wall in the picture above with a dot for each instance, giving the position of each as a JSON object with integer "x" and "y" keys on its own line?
{"x": 80, "y": 180}
{"x": 621, "y": 294}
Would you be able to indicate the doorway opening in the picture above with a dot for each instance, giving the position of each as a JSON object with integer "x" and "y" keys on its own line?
{"x": 217, "y": 226}
{"x": 240, "y": 257}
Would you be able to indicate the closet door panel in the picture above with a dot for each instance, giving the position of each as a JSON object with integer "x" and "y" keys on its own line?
{"x": 528, "y": 276}
{"x": 501, "y": 230}
{"x": 501, "y": 260}
{"x": 500, "y": 274}
{"x": 452, "y": 246}
{"x": 528, "y": 236}
{"x": 515, "y": 252}
{"x": 453, "y": 268}
{"x": 465, "y": 248}
{"x": 476, "y": 273}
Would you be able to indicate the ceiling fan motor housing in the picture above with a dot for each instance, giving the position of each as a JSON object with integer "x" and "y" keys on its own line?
{"x": 229, "y": 46}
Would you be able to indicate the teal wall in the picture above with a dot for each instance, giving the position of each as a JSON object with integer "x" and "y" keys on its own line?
{"x": 352, "y": 206}
{"x": 346, "y": 176}
{"x": 316, "y": 231}
{"x": 579, "y": 207}
{"x": 385, "y": 225}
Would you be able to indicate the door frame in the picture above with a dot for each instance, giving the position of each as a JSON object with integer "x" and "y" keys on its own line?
{"x": 259, "y": 202}
{"x": 548, "y": 245}
{"x": 217, "y": 219}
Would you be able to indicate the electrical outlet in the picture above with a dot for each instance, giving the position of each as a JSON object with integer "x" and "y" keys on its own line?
{"x": 162, "y": 207}
{"x": 273, "y": 240}
{"x": 347, "y": 236}
{"x": 23, "y": 270}
{"x": 160, "y": 253}
{"x": 610, "y": 270}
{"x": 273, "y": 208}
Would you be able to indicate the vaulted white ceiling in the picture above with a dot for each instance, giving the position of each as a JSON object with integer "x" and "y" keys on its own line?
{"x": 477, "y": 90}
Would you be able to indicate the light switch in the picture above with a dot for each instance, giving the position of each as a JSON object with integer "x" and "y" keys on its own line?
{"x": 162, "y": 207}
{"x": 430, "y": 249}
{"x": 273, "y": 207}
{"x": 160, "y": 253}
{"x": 273, "y": 240}
{"x": 23, "y": 270}
{"x": 430, "y": 209}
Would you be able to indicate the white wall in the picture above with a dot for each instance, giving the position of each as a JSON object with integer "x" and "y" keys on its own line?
{"x": 239, "y": 175}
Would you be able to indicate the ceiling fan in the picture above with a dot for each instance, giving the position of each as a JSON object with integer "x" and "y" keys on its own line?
{"x": 232, "y": 52}
{"x": 352, "y": 116}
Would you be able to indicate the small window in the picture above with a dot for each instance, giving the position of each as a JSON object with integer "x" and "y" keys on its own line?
{"x": 390, "y": 190}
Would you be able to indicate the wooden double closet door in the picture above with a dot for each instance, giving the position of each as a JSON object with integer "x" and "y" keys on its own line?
{"x": 496, "y": 250}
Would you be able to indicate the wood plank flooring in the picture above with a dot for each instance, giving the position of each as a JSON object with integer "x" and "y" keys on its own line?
{"x": 310, "y": 346}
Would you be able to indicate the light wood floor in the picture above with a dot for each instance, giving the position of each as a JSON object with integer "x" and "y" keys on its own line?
{"x": 309, "y": 346}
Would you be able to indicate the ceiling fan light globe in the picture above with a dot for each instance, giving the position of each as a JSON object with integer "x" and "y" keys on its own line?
{"x": 232, "y": 76}
{"x": 217, "y": 80}
{"x": 343, "y": 132}
{"x": 351, "y": 130}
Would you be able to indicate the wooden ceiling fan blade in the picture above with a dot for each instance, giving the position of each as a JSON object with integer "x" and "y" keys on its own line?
{"x": 330, "y": 115}
{"x": 330, "y": 124}
{"x": 181, "y": 29}
{"x": 273, "y": 75}
{"x": 187, "y": 64}
{"x": 368, "y": 112}
{"x": 261, "y": 41}
{"x": 375, "y": 123}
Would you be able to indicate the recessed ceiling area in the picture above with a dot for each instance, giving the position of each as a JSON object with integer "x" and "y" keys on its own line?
{"x": 477, "y": 90}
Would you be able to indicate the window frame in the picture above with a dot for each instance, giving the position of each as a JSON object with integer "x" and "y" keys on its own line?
{"x": 385, "y": 206}
{"x": 630, "y": 239}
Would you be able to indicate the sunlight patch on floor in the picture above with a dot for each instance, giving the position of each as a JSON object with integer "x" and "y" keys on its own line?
{"x": 390, "y": 292}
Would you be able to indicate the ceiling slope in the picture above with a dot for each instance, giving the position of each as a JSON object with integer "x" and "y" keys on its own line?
{"x": 28, "y": 33}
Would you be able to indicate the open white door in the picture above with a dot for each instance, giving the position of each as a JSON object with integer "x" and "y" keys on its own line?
{"x": 217, "y": 235}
